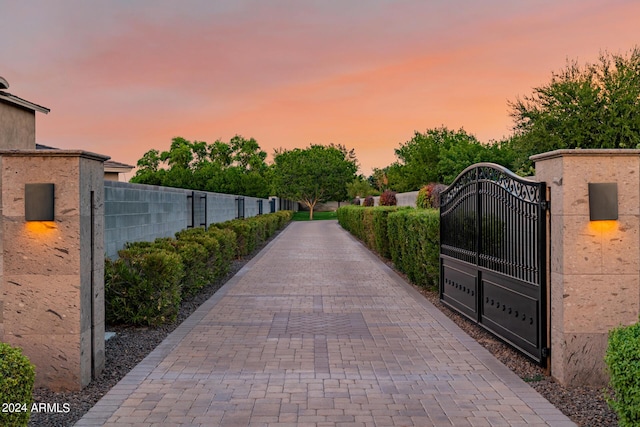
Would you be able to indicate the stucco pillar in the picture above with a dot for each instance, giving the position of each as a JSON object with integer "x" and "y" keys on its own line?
{"x": 594, "y": 265}
{"x": 52, "y": 273}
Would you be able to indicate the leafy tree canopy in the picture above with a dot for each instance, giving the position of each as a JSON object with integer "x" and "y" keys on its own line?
{"x": 591, "y": 106}
{"x": 437, "y": 155}
{"x": 236, "y": 167}
{"x": 360, "y": 187}
{"x": 313, "y": 175}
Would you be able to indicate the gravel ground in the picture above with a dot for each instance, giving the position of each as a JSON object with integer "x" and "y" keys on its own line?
{"x": 584, "y": 405}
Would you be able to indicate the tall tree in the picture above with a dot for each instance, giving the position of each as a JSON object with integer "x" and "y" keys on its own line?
{"x": 439, "y": 155}
{"x": 312, "y": 175}
{"x": 591, "y": 106}
{"x": 237, "y": 167}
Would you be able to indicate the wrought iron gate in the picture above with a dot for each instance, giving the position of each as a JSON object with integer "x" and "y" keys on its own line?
{"x": 493, "y": 237}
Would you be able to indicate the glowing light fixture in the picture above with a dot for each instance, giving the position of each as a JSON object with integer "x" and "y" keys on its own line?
{"x": 38, "y": 202}
{"x": 603, "y": 201}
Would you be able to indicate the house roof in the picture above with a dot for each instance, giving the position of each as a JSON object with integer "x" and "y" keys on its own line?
{"x": 109, "y": 165}
{"x": 15, "y": 100}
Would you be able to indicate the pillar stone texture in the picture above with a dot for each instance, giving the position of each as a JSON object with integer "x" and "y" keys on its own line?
{"x": 52, "y": 273}
{"x": 594, "y": 265}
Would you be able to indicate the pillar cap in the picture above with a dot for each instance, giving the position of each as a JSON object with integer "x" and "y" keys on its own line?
{"x": 591, "y": 152}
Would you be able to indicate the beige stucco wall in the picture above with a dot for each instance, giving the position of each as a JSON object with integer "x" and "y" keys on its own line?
{"x": 17, "y": 127}
{"x": 48, "y": 277}
{"x": 594, "y": 265}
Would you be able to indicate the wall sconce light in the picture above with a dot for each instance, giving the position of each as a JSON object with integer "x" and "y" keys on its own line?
{"x": 38, "y": 202}
{"x": 603, "y": 201}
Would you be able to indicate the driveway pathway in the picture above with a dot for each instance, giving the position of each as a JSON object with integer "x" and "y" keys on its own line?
{"x": 316, "y": 331}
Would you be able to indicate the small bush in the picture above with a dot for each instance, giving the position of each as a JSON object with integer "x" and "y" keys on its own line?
{"x": 423, "y": 200}
{"x": 245, "y": 241}
{"x": 17, "y": 376}
{"x": 227, "y": 242}
{"x": 429, "y": 196}
{"x": 143, "y": 286}
{"x": 388, "y": 198}
{"x": 623, "y": 361}
{"x": 355, "y": 202}
{"x": 196, "y": 260}
{"x": 368, "y": 201}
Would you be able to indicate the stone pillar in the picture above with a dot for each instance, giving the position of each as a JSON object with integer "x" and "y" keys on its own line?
{"x": 52, "y": 273}
{"x": 594, "y": 265}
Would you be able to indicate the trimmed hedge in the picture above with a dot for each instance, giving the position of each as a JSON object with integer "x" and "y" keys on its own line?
{"x": 414, "y": 240}
{"x": 410, "y": 237}
{"x": 143, "y": 286}
{"x": 368, "y": 225}
{"x": 17, "y": 376}
{"x": 623, "y": 361}
{"x": 146, "y": 284}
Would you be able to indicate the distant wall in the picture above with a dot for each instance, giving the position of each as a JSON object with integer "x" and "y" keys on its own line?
{"x": 138, "y": 212}
{"x": 325, "y": 207}
{"x": 404, "y": 199}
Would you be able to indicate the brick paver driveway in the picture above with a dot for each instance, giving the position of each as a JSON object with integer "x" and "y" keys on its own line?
{"x": 316, "y": 331}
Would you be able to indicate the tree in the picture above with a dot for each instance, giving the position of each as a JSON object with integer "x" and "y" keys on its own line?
{"x": 360, "y": 187}
{"x": 237, "y": 167}
{"x": 439, "y": 155}
{"x": 591, "y": 106}
{"x": 147, "y": 172}
{"x": 312, "y": 175}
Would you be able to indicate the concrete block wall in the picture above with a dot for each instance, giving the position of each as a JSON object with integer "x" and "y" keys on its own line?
{"x": 138, "y": 212}
{"x": 134, "y": 212}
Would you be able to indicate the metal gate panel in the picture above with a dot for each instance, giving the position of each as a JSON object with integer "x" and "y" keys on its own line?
{"x": 511, "y": 309}
{"x": 493, "y": 254}
{"x": 460, "y": 287}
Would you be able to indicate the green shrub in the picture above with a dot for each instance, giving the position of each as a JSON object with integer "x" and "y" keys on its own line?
{"x": 196, "y": 262}
{"x": 17, "y": 376}
{"x": 350, "y": 218}
{"x": 244, "y": 239}
{"x": 368, "y": 225}
{"x": 423, "y": 200}
{"x": 367, "y": 233}
{"x": 227, "y": 242}
{"x": 410, "y": 237}
{"x": 623, "y": 361}
{"x": 143, "y": 286}
{"x": 283, "y": 217}
{"x": 414, "y": 244}
{"x": 380, "y": 229}
{"x": 251, "y": 232}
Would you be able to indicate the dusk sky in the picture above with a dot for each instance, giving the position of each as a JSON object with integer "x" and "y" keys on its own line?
{"x": 122, "y": 77}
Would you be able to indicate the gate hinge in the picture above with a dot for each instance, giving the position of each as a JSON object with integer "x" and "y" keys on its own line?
{"x": 546, "y": 352}
{"x": 545, "y": 204}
